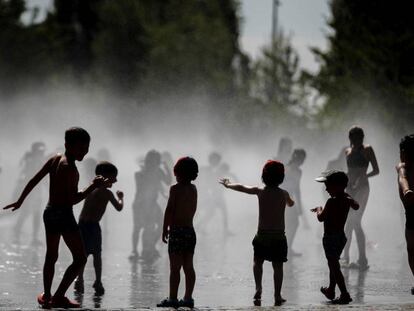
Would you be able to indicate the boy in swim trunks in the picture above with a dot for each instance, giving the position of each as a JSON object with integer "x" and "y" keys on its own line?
{"x": 178, "y": 230}
{"x": 270, "y": 241}
{"x": 334, "y": 216}
{"x": 405, "y": 171}
{"x": 92, "y": 212}
{"x": 58, "y": 215}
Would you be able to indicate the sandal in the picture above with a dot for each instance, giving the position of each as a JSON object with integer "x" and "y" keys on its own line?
{"x": 328, "y": 293}
{"x": 280, "y": 301}
{"x": 344, "y": 299}
{"x": 43, "y": 301}
{"x": 187, "y": 303}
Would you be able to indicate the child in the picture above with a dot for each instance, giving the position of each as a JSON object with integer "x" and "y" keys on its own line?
{"x": 405, "y": 171}
{"x": 334, "y": 215}
{"x": 270, "y": 241}
{"x": 179, "y": 231}
{"x": 58, "y": 215}
{"x": 92, "y": 212}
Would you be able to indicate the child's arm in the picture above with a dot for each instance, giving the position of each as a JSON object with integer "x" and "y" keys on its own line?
{"x": 408, "y": 194}
{"x": 321, "y": 212}
{"x": 168, "y": 215}
{"x": 31, "y": 184}
{"x": 289, "y": 200}
{"x": 97, "y": 182}
{"x": 117, "y": 203}
{"x": 238, "y": 187}
{"x": 373, "y": 160}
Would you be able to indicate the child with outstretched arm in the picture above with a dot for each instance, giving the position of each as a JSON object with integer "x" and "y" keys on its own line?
{"x": 178, "y": 232}
{"x": 334, "y": 216}
{"x": 90, "y": 216}
{"x": 58, "y": 216}
{"x": 270, "y": 241}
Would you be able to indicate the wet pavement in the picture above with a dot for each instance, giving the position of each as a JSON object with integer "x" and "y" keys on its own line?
{"x": 223, "y": 267}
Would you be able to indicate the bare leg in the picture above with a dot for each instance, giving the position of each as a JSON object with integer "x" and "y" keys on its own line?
{"x": 97, "y": 264}
{"x": 74, "y": 242}
{"x": 349, "y": 228}
{"x": 52, "y": 249}
{"x": 258, "y": 272}
{"x": 335, "y": 268}
{"x": 190, "y": 276}
{"x": 278, "y": 280}
{"x": 176, "y": 262}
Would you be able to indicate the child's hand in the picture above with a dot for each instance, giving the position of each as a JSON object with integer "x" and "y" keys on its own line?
{"x": 224, "y": 181}
{"x": 14, "y": 206}
{"x": 165, "y": 235}
{"x": 120, "y": 195}
{"x": 99, "y": 181}
{"x": 316, "y": 209}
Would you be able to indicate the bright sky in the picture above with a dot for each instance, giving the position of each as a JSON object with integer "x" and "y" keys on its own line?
{"x": 304, "y": 20}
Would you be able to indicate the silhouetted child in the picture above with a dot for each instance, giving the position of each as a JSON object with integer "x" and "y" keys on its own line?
{"x": 178, "y": 230}
{"x": 58, "y": 216}
{"x": 292, "y": 185}
{"x": 334, "y": 216}
{"x": 405, "y": 171}
{"x": 92, "y": 212}
{"x": 270, "y": 241}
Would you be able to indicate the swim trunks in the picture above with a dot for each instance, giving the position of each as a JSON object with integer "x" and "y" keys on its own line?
{"x": 333, "y": 244}
{"x": 182, "y": 240}
{"x": 91, "y": 237}
{"x": 270, "y": 245}
{"x": 59, "y": 220}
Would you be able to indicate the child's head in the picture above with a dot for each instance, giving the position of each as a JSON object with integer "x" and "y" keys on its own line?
{"x": 107, "y": 170}
{"x": 298, "y": 157}
{"x": 152, "y": 159}
{"x": 407, "y": 149}
{"x": 356, "y": 135}
{"x": 273, "y": 173}
{"x": 214, "y": 158}
{"x": 77, "y": 142}
{"x": 186, "y": 169}
{"x": 335, "y": 181}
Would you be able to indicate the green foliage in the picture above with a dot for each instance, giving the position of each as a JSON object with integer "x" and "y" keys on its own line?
{"x": 368, "y": 68}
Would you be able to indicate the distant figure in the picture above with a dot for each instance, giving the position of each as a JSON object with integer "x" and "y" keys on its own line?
{"x": 405, "y": 171}
{"x": 284, "y": 151}
{"x": 147, "y": 213}
{"x": 333, "y": 216}
{"x": 58, "y": 215}
{"x": 270, "y": 241}
{"x": 93, "y": 209}
{"x": 358, "y": 158}
{"x": 31, "y": 162}
{"x": 179, "y": 232}
{"x": 213, "y": 199}
{"x": 292, "y": 185}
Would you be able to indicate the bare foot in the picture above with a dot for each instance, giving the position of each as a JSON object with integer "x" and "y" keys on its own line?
{"x": 258, "y": 294}
{"x": 279, "y": 301}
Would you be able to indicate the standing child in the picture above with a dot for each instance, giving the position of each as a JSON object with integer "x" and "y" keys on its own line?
{"x": 270, "y": 241}
{"x": 58, "y": 216}
{"x": 179, "y": 231}
{"x": 405, "y": 171}
{"x": 333, "y": 216}
{"x": 92, "y": 212}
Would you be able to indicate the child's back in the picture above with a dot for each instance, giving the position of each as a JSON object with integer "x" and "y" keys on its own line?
{"x": 95, "y": 205}
{"x": 185, "y": 204}
{"x": 272, "y": 203}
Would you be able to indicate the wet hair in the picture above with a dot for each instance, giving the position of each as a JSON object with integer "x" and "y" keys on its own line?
{"x": 298, "y": 155}
{"x": 407, "y": 146}
{"x": 76, "y": 135}
{"x": 186, "y": 168}
{"x": 356, "y": 133}
{"x": 106, "y": 169}
{"x": 273, "y": 173}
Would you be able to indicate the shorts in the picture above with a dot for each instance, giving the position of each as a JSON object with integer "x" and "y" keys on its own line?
{"x": 182, "y": 240}
{"x": 270, "y": 245}
{"x": 91, "y": 237}
{"x": 59, "y": 220}
{"x": 333, "y": 244}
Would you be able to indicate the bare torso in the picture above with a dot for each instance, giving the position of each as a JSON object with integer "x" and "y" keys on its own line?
{"x": 95, "y": 205}
{"x": 272, "y": 203}
{"x": 184, "y": 200}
